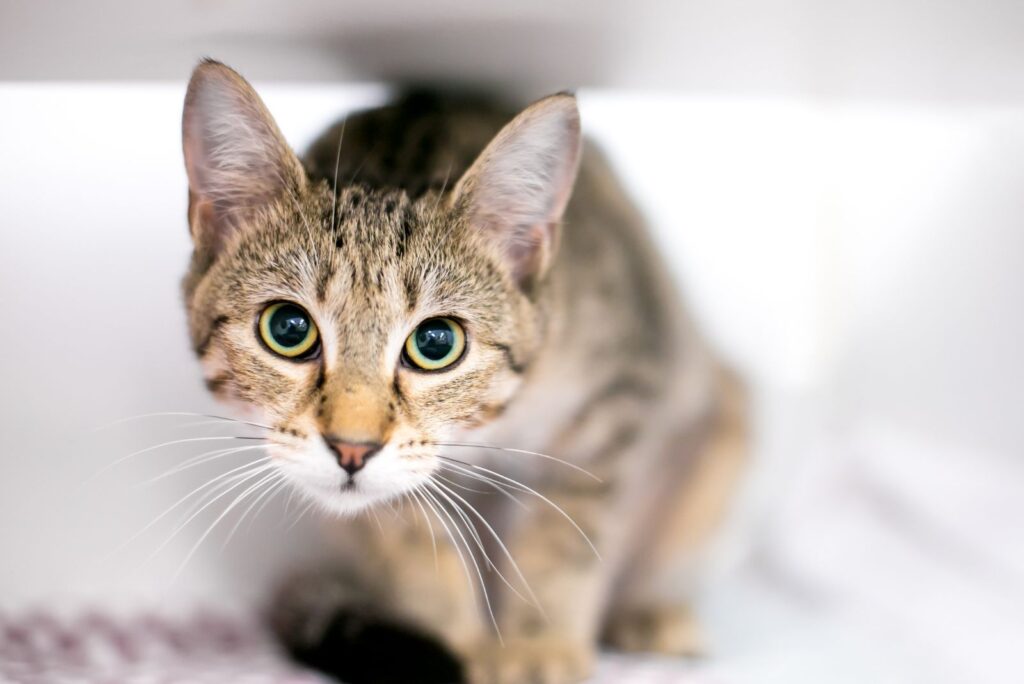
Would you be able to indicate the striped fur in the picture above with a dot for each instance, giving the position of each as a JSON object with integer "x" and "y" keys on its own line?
{"x": 578, "y": 347}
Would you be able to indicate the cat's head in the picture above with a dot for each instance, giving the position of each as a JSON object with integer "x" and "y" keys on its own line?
{"x": 366, "y": 327}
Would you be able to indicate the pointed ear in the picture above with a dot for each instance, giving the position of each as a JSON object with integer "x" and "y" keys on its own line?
{"x": 518, "y": 187}
{"x": 236, "y": 158}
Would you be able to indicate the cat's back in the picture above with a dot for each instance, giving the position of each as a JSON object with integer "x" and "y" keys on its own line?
{"x": 423, "y": 140}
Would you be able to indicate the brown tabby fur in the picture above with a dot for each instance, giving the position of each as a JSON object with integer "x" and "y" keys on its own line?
{"x": 579, "y": 350}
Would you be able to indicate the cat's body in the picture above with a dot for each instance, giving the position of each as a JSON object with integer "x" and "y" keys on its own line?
{"x": 582, "y": 352}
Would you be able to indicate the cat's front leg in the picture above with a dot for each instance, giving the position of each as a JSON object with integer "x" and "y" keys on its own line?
{"x": 402, "y": 572}
{"x": 548, "y": 658}
{"x": 552, "y": 642}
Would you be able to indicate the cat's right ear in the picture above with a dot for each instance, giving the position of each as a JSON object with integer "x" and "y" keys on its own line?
{"x": 236, "y": 158}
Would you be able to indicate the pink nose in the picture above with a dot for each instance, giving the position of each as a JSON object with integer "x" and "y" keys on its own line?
{"x": 352, "y": 456}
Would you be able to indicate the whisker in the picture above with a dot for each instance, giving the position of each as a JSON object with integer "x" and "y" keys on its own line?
{"x": 470, "y": 527}
{"x": 220, "y": 517}
{"x": 294, "y": 193}
{"x": 366, "y": 158}
{"x": 337, "y": 164}
{"x": 284, "y": 483}
{"x": 256, "y": 472}
{"x": 433, "y": 540}
{"x": 221, "y": 486}
{"x": 202, "y": 459}
{"x": 497, "y": 486}
{"x": 476, "y": 566}
{"x": 440, "y": 195}
{"x": 464, "y": 468}
{"x": 529, "y": 590}
{"x": 310, "y": 503}
{"x": 162, "y": 445}
{"x": 288, "y": 503}
{"x": 391, "y": 506}
{"x": 160, "y": 414}
{"x": 373, "y": 511}
{"x": 260, "y": 497}
{"x": 429, "y": 502}
{"x": 521, "y": 451}
{"x": 545, "y": 500}
{"x": 461, "y": 486}
{"x": 201, "y": 423}
{"x": 209, "y": 483}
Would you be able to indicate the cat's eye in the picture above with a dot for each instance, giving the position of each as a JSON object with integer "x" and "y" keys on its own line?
{"x": 289, "y": 331}
{"x": 435, "y": 344}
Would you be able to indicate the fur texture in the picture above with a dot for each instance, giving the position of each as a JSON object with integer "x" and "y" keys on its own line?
{"x": 577, "y": 348}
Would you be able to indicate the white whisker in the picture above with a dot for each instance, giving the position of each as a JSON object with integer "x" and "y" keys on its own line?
{"x": 224, "y": 483}
{"x": 426, "y": 519}
{"x": 470, "y": 527}
{"x": 310, "y": 503}
{"x": 337, "y": 163}
{"x": 373, "y": 512}
{"x": 440, "y": 195}
{"x": 288, "y": 503}
{"x": 521, "y": 451}
{"x": 508, "y": 555}
{"x": 182, "y": 500}
{"x": 465, "y": 468}
{"x": 256, "y": 472}
{"x": 259, "y": 497}
{"x": 202, "y": 459}
{"x": 201, "y": 423}
{"x": 498, "y": 486}
{"x": 162, "y": 445}
{"x": 463, "y": 487}
{"x": 220, "y": 517}
{"x": 476, "y": 566}
{"x": 545, "y": 500}
{"x": 161, "y": 414}
{"x": 277, "y": 488}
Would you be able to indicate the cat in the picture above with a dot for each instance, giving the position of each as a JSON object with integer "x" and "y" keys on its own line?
{"x": 442, "y": 272}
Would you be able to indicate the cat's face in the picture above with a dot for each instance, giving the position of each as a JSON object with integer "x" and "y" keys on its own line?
{"x": 368, "y": 328}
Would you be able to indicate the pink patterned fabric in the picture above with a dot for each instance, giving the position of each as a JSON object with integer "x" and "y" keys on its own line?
{"x": 39, "y": 648}
{"x": 96, "y": 648}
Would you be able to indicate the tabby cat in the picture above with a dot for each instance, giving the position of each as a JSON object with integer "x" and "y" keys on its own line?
{"x": 438, "y": 273}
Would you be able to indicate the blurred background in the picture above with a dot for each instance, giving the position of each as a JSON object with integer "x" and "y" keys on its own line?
{"x": 838, "y": 185}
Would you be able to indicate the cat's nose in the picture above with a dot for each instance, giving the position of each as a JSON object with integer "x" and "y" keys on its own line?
{"x": 352, "y": 456}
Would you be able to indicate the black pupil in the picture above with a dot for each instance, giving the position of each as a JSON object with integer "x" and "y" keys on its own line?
{"x": 435, "y": 339}
{"x": 289, "y": 326}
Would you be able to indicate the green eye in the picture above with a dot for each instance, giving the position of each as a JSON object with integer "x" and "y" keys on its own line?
{"x": 288, "y": 330}
{"x": 435, "y": 344}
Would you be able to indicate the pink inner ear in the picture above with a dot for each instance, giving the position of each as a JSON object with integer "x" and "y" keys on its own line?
{"x": 236, "y": 158}
{"x": 518, "y": 188}
{"x": 528, "y": 251}
{"x": 209, "y": 230}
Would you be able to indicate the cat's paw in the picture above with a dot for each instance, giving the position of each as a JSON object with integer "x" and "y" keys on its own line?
{"x": 305, "y": 604}
{"x": 668, "y": 630}
{"x": 535, "y": 660}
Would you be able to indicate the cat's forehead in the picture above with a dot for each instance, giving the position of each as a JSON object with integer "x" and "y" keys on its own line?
{"x": 369, "y": 253}
{"x": 381, "y": 234}
{"x": 377, "y": 222}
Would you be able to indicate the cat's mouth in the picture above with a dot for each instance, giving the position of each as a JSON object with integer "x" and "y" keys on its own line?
{"x": 386, "y": 476}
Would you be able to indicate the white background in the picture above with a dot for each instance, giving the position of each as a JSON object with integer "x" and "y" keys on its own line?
{"x": 853, "y": 241}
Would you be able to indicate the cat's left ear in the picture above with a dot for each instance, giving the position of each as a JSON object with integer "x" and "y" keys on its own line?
{"x": 236, "y": 158}
{"x": 519, "y": 186}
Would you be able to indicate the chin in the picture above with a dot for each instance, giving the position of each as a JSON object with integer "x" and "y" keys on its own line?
{"x": 346, "y": 503}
